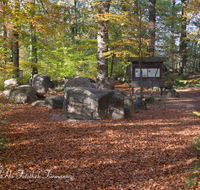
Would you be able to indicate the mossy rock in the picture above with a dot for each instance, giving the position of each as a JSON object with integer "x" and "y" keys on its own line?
{"x": 149, "y": 100}
{"x": 172, "y": 94}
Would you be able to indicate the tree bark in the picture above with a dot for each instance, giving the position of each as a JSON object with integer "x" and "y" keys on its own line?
{"x": 152, "y": 29}
{"x": 33, "y": 53}
{"x": 102, "y": 40}
{"x": 15, "y": 53}
{"x": 183, "y": 43}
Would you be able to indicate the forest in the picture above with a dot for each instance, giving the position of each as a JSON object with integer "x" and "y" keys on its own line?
{"x": 95, "y": 38}
{"x": 154, "y": 145}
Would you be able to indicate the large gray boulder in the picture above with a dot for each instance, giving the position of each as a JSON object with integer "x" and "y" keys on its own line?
{"x": 107, "y": 83}
{"x": 42, "y": 83}
{"x": 20, "y": 98}
{"x": 54, "y": 102}
{"x": 80, "y": 82}
{"x": 88, "y": 103}
{"x": 10, "y": 83}
{"x": 29, "y": 91}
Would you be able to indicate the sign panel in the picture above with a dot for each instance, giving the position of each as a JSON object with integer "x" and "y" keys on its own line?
{"x": 153, "y": 72}
{"x": 137, "y": 72}
{"x": 148, "y": 72}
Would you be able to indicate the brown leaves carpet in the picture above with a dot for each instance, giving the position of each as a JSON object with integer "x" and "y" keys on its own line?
{"x": 149, "y": 150}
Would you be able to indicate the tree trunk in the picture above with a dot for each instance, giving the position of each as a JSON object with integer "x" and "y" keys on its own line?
{"x": 112, "y": 63}
{"x": 183, "y": 43}
{"x": 102, "y": 40}
{"x": 33, "y": 53}
{"x": 15, "y": 53}
{"x": 4, "y": 34}
{"x": 152, "y": 29}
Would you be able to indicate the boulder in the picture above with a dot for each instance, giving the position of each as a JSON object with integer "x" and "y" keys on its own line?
{"x": 80, "y": 82}
{"x": 127, "y": 111}
{"x": 91, "y": 80}
{"x": 10, "y": 83}
{"x": 42, "y": 83}
{"x": 19, "y": 97}
{"x": 141, "y": 104}
{"x": 55, "y": 83}
{"x": 96, "y": 85}
{"x": 114, "y": 76}
{"x": 7, "y": 93}
{"x": 149, "y": 99}
{"x": 121, "y": 79}
{"x": 90, "y": 103}
{"x": 128, "y": 100}
{"x": 29, "y": 91}
{"x": 38, "y": 103}
{"x": 107, "y": 83}
{"x": 172, "y": 93}
{"x": 54, "y": 102}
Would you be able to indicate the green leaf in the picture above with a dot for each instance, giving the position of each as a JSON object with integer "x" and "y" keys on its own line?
{"x": 197, "y": 113}
{"x": 4, "y": 122}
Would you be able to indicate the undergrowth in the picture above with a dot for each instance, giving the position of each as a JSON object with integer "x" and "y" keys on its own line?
{"x": 193, "y": 182}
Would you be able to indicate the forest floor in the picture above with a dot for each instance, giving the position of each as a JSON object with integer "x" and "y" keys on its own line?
{"x": 149, "y": 150}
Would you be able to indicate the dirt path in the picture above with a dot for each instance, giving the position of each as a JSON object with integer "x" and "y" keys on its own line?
{"x": 149, "y": 150}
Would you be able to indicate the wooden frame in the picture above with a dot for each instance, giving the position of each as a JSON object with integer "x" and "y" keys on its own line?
{"x": 148, "y": 64}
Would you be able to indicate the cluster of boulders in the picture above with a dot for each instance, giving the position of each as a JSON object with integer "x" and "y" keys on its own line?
{"x": 83, "y": 98}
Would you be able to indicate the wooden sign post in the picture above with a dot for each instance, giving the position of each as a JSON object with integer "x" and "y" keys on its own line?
{"x": 152, "y": 72}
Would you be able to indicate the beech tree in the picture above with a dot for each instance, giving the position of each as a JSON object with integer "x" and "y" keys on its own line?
{"x": 152, "y": 29}
{"x": 102, "y": 40}
{"x": 183, "y": 40}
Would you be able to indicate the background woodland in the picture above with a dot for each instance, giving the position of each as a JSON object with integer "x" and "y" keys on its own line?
{"x": 95, "y": 38}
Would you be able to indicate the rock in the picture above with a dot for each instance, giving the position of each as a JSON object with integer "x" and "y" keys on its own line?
{"x": 128, "y": 100}
{"x": 96, "y": 85}
{"x": 141, "y": 104}
{"x": 114, "y": 76}
{"x": 54, "y": 102}
{"x": 40, "y": 96}
{"x": 29, "y": 91}
{"x": 172, "y": 93}
{"x": 90, "y": 103}
{"x": 121, "y": 79}
{"x": 127, "y": 112}
{"x": 133, "y": 109}
{"x": 55, "y": 83}
{"x": 38, "y": 103}
{"x": 107, "y": 83}
{"x": 19, "y": 98}
{"x": 42, "y": 83}
{"x": 7, "y": 93}
{"x": 10, "y": 83}
{"x": 80, "y": 82}
{"x": 62, "y": 82}
{"x": 91, "y": 80}
{"x": 149, "y": 99}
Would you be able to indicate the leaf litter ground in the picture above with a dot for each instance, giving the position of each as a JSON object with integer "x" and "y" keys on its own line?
{"x": 149, "y": 150}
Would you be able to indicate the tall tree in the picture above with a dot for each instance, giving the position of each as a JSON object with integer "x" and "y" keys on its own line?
{"x": 15, "y": 38}
{"x": 152, "y": 29}
{"x": 183, "y": 41}
{"x": 102, "y": 40}
{"x": 33, "y": 43}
